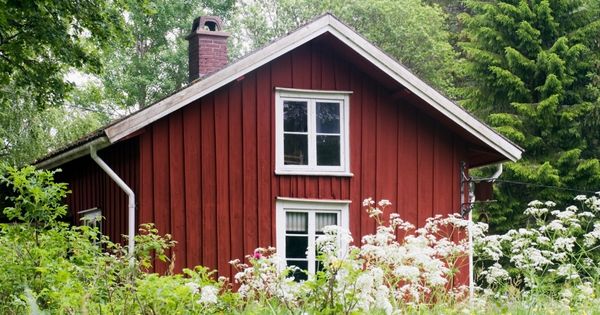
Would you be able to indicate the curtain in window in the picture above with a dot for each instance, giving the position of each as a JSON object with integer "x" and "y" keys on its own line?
{"x": 296, "y": 222}
{"x": 325, "y": 219}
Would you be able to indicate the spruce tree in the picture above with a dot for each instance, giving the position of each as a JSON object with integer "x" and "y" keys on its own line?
{"x": 531, "y": 68}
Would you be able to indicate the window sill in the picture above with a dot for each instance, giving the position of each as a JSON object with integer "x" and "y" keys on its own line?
{"x": 313, "y": 173}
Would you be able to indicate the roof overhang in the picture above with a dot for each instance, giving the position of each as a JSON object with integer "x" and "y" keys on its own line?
{"x": 324, "y": 24}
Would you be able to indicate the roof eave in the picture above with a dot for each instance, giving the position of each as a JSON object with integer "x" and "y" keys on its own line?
{"x": 73, "y": 153}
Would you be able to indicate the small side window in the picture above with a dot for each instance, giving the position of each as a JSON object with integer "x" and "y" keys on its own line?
{"x": 92, "y": 218}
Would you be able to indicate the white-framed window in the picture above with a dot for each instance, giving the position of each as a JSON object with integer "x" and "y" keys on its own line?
{"x": 298, "y": 224}
{"x": 91, "y": 217}
{"x": 312, "y": 132}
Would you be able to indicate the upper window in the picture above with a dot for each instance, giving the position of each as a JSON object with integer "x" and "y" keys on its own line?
{"x": 312, "y": 132}
{"x": 299, "y": 223}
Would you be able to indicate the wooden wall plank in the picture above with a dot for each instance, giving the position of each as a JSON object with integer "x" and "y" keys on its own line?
{"x": 209, "y": 195}
{"x": 162, "y": 217}
{"x": 193, "y": 183}
{"x": 263, "y": 147}
{"x": 408, "y": 162}
{"x": 386, "y": 159}
{"x": 176, "y": 191}
{"x": 356, "y": 149}
{"x": 425, "y": 175}
{"x": 368, "y": 154}
{"x": 222, "y": 176}
{"x": 250, "y": 161}
{"x": 236, "y": 179}
{"x": 281, "y": 76}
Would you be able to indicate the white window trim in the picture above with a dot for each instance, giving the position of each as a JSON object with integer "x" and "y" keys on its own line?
{"x": 307, "y": 205}
{"x": 91, "y": 215}
{"x": 343, "y": 97}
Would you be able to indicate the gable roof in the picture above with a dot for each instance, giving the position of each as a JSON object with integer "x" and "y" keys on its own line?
{"x": 324, "y": 24}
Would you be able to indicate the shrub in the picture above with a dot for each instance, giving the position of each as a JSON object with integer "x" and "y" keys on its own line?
{"x": 397, "y": 268}
{"x": 556, "y": 256}
{"x": 50, "y": 266}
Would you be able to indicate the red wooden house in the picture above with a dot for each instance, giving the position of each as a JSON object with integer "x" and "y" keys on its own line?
{"x": 268, "y": 149}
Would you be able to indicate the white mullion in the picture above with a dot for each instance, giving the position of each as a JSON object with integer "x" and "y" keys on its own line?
{"x": 312, "y": 130}
{"x": 342, "y": 125}
{"x": 311, "y": 242}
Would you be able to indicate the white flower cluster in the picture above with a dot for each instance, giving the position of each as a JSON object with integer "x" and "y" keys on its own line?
{"x": 416, "y": 264}
{"x": 208, "y": 294}
{"x": 559, "y": 246}
{"x": 265, "y": 278}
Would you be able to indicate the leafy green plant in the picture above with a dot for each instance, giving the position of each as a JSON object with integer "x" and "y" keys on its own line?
{"x": 556, "y": 256}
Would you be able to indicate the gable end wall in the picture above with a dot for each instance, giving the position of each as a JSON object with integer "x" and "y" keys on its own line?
{"x": 207, "y": 170}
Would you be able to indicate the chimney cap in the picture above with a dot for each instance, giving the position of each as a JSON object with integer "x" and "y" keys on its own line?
{"x": 207, "y": 25}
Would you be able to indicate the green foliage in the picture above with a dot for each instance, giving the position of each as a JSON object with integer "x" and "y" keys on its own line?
{"x": 396, "y": 26}
{"x": 531, "y": 74}
{"x": 554, "y": 257}
{"x": 154, "y": 63}
{"x": 37, "y": 199}
{"x": 50, "y": 267}
{"x": 41, "y": 40}
{"x": 28, "y": 132}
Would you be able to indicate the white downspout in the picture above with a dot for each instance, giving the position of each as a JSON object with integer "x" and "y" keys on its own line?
{"x": 131, "y": 204}
{"x": 471, "y": 263}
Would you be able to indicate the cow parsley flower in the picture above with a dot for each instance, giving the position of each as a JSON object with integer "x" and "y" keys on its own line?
{"x": 535, "y": 203}
{"x": 368, "y": 202}
{"x": 555, "y": 225}
{"x": 209, "y": 295}
{"x": 495, "y": 274}
{"x": 564, "y": 243}
{"x": 535, "y": 211}
{"x": 410, "y": 273}
{"x": 550, "y": 204}
{"x": 592, "y": 237}
{"x": 384, "y": 203}
{"x": 568, "y": 271}
{"x": 193, "y": 287}
{"x": 586, "y": 289}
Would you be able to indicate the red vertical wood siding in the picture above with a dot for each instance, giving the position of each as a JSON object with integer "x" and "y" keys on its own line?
{"x": 208, "y": 169}
{"x": 92, "y": 188}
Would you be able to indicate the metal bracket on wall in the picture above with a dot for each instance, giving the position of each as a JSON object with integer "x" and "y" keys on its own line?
{"x": 466, "y": 205}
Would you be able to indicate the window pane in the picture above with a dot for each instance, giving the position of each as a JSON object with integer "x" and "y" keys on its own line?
{"x": 325, "y": 219}
{"x": 294, "y": 116}
{"x": 295, "y": 246}
{"x": 296, "y": 222}
{"x": 328, "y": 117}
{"x": 295, "y": 149}
{"x": 328, "y": 150}
{"x": 299, "y": 275}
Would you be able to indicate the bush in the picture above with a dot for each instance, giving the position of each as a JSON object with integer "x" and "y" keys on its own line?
{"x": 555, "y": 257}
{"x": 49, "y": 266}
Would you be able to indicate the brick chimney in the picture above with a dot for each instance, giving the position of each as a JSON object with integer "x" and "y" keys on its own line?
{"x": 207, "y": 51}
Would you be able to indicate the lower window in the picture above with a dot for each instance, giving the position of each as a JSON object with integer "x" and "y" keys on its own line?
{"x": 299, "y": 223}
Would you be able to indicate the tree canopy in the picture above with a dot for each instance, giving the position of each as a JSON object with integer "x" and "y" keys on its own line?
{"x": 396, "y": 26}
{"x": 530, "y": 74}
{"x": 154, "y": 63}
{"x": 41, "y": 40}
